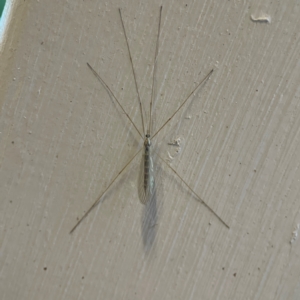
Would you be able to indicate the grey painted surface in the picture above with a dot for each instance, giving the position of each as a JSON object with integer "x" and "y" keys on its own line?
{"x": 63, "y": 140}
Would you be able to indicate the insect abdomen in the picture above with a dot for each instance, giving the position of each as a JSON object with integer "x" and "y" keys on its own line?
{"x": 147, "y": 162}
{"x": 148, "y": 172}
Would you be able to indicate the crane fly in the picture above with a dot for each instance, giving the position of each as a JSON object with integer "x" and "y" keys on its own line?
{"x": 148, "y": 180}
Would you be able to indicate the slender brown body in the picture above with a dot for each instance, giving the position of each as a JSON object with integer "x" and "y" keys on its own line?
{"x": 148, "y": 170}
{"x": 147, "y": 145}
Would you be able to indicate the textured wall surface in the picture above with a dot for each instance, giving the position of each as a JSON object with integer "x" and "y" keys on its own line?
{"x": 63, "y": 139}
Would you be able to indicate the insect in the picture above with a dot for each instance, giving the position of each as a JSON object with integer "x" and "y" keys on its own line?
{"x": 148, "y": 180}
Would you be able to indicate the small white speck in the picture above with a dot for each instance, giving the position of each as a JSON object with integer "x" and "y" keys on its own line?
{"x": 176, "y": 142}
{"x": 295, "y": 234}
{"x": 262, "y": 18}
{"x": 175, "y": 151}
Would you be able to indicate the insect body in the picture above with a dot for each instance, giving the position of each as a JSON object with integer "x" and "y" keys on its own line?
{"x": 149, "y": 181}
{"x": 148, "y": 177}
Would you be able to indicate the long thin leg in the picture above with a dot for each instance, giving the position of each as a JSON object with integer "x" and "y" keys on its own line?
{"x": 110, "y": 91}
{"x": 154, "y": 71}
{"x": 210, "y": 209}
{"x": 99, "y": 198}
{"x": 205, "y": 78}
{"x": 136, "y": 87}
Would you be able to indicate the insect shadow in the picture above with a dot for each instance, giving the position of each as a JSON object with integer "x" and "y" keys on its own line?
{"x": 147, "y": 187}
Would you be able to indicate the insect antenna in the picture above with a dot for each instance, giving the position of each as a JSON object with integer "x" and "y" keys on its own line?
{"x": 136, "y": 87}
{"x": 154, "y": 73}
